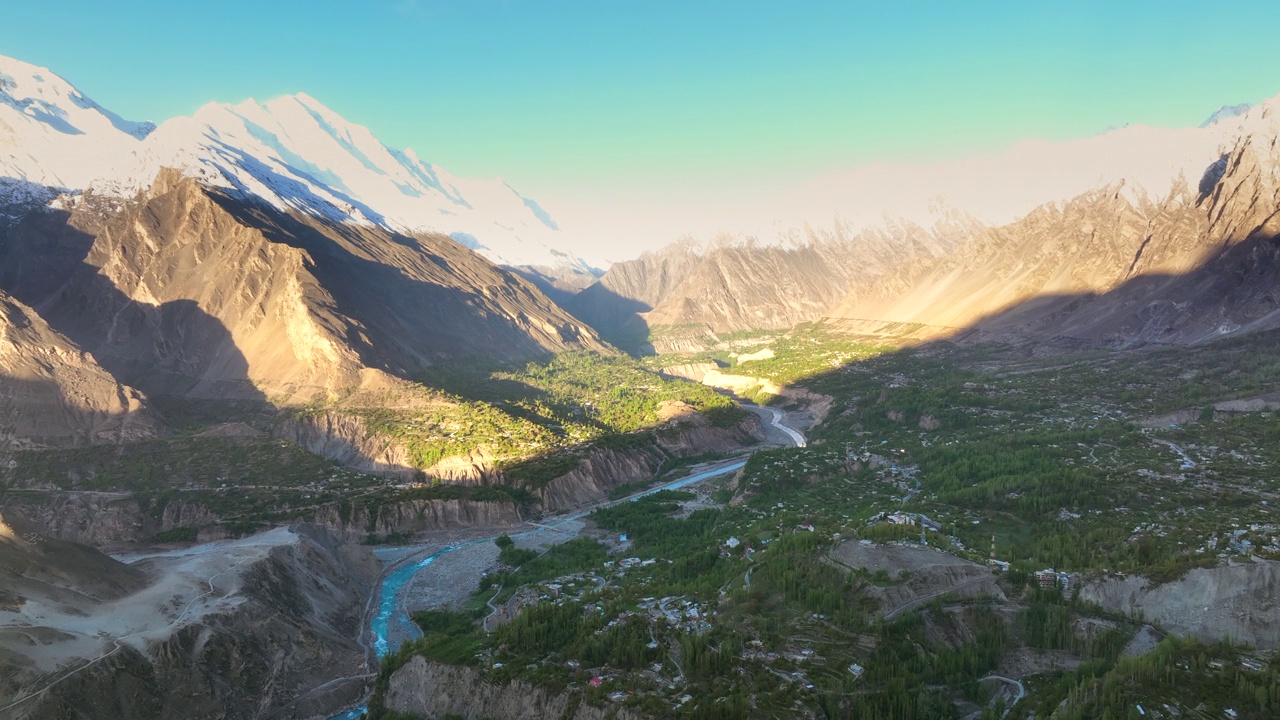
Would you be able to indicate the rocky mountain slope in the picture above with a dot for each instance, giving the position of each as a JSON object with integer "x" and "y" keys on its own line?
{"x": 247, "y": 628}
{"x": 429, "y": 689}
{"x": 1235, "y": 601}
{"x": 54, "y": 393}
{"x": 186, "y": 290}
{"x": 1110, "y": 266}
{"x": 741, "y": 286}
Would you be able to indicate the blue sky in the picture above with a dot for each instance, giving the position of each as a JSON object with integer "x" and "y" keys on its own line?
{"x": 565, "y": 92}
{"x": 558, "y": 95}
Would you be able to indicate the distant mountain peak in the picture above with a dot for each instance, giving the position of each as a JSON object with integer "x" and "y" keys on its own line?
{"x": 1226, "y": 112}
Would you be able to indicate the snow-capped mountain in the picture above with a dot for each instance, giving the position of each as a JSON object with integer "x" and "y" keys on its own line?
{"x": 51, "y": 135}
{"x": 1226, "y": 112}
{"x": 293, "y": 152}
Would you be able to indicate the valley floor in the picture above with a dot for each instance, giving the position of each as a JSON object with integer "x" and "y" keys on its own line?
{"x": 973, "y": 531}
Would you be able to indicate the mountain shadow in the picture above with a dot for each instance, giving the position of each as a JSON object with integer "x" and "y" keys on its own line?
{"x": 161, "y": 348}
{"x": 619, "y": 319}
{"x": 1032, "y": 421}
{"x": 405, "y": 302}
{"x": 72, "y": 405}
{"x": 191, "y": 292}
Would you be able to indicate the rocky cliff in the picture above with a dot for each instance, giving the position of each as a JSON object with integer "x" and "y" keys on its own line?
{"x": 598, "y": 472}
{"x": 429, "y": 689}
{"x": 278, "y": 618}
{"x": 1236, "y": 601}
{"x": 603, "y": 469}
{"x": 116, "y": 520}
{"x": 347, "y": 439}
{"x": 105, "y": 519}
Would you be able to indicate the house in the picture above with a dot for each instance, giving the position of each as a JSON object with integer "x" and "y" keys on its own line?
{"x": 732, "y": 543}
{"x": 596, "y": 681}
{"x": 1047, "y": 578}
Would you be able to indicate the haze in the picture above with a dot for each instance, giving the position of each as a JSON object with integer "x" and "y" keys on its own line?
{"x": 636, "y": 126}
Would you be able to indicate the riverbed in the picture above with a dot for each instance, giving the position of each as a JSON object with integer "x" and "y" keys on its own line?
{"x": 390, "y": 624}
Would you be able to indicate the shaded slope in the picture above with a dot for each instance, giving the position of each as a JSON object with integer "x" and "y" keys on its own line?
{"x": 52, "y": 392}
{"x": 187, "y": 291}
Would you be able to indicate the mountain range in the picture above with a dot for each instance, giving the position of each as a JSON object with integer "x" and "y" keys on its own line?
{"x": 267, "y": 253}
{"x": 277, "y": 252}
{"x": 278, "y": 259}
{"x": 292, "y": 152}
{"x": 1170, "y": 242}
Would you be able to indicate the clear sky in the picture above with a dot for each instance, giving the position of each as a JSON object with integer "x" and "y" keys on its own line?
{"x": 566, "y": 97}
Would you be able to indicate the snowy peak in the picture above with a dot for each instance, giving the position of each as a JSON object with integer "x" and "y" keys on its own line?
{"x": 52, "y": 135}
{"x": 292, "y": 151}
{"x": 1226, "y": 112}
{"x": 299, "y": 155}
{"x": 45, "y": 97}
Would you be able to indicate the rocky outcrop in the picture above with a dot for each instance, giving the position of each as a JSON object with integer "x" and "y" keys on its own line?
{"x": 601, "y": 469}
{"x": 696, "y": 435}
{"x": 476, "y": 466}
{"x": 694, "y": 372}
{"x": 355, "y": 523}
{"x": 52, "y": 393}
{"x": 429, "y": 689}
{"x": 1236, "y": 601}
{"x": 598, "y": 472}
{"x": 276, "y": 626}
{"x": 345, "y": 438}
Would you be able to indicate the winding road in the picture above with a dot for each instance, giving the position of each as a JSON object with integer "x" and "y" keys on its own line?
{"x": 1187, "y": 462}
{"x": 775, "y": 419}
{"x": 1022, "y": 690}
{"x": 917, "y": 602}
